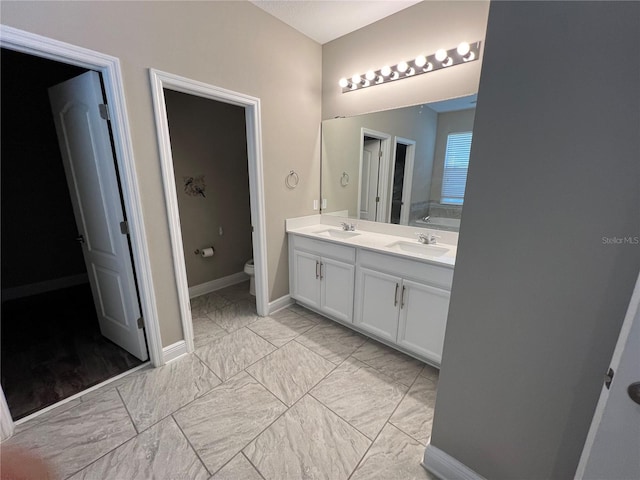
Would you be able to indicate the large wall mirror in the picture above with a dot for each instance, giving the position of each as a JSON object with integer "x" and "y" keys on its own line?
{"x": 406, "y": 166}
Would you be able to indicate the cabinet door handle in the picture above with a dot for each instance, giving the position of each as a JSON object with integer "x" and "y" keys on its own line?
{"x": 317, "y": 268}
{"x": 402, "y": 300}
{"x": 321, "y": 265}
{"x": 395, "y": 296}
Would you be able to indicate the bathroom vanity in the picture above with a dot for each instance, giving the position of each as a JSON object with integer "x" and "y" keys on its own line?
{"x": 385, "y": 285}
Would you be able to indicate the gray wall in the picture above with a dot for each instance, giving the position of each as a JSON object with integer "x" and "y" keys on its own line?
{"x": 538, "y": 294}
{"x": 209, "y": 138}
{"x": 233, "y": 45}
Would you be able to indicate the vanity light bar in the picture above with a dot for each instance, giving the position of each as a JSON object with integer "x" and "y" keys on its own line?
{"x": 463, "y": 53}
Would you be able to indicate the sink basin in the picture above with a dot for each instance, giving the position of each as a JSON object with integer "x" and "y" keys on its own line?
{"x": 419, "y": 248}
{"x": 335, "y": 233}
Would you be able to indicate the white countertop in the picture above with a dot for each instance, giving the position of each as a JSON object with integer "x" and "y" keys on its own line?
{"x": 441, "y": 254}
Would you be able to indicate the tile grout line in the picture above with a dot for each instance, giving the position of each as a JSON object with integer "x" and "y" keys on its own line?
{"x": 388, "y": 422}
{"x": 124, "y": 404}
{"x": 251, "y": 463}
{"x": 340, "y": 417}
{"x": 117, "y": 446}
{"x": 287, "y": 408}
{"x": 403, "y": 398}
{"x": 310, "y": 388}
{"x": 384, "y": 425}
{"x": 190, "y": 444}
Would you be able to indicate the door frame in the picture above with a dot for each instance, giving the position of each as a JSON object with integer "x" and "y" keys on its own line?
{"x": 632, "y": 315}
{"x": 383, "y": 179}
{"x": 109, "y": 66}
{"x": 159, "y": 81}
{"x": 407, "y": 181}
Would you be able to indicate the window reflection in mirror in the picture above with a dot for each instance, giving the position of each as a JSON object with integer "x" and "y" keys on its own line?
{"x": 405, "y": 166}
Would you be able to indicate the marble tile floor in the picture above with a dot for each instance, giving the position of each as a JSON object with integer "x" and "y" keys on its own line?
{"x": 290, "y": 396}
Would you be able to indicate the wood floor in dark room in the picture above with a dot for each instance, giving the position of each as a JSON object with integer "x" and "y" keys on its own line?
{"x": 52, "y": 349}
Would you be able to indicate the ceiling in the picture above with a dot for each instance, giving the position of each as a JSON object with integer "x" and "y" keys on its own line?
{"x": 326, "y": 20}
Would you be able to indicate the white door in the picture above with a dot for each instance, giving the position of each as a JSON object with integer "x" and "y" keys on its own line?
{"x": 83, "y": 136}
{"x": 377, "y": 301}
{"x": 423, "y": 319}
{"x": 336, "y": 280}
{"x": 612, "y": 449}
{"x": 370, "y": 174}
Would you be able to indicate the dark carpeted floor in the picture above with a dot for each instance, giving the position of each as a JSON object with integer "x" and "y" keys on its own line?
{"x": 52, "y": 348}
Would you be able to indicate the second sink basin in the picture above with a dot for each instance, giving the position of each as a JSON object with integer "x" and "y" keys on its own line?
{"x": 419, "y": 248}
{"x": 335, "y": 233}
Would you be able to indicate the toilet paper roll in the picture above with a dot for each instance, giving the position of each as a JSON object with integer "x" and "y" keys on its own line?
{"x": 207, "y": 252}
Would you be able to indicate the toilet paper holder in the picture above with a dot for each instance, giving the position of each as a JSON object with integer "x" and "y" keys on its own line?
{"x": 200, "y": 251}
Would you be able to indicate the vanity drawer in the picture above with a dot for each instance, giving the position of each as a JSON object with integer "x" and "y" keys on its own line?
{"x": 411, "y": 269}
{"x": 324, "y": 249}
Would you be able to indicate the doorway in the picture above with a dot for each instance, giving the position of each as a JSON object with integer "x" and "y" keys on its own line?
{"x": 374, "y": 199}
{"x": 52, "y": 346}
{"x": 209, "y": 151}
{"x": 160, "y": 82}
{"x": 402, "y": 178}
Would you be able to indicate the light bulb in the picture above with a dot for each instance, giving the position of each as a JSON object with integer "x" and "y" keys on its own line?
{"x": 356, "y": 79}
{"x": 441, "y": 55}
{"x": 343, "y": 82}
{"x": 420, "y": 61}
{"x": 463, "y": 49}
{"x": 385, "y": 71}
{"x": 402, "y": 67}
{"x": 370, "y": 75}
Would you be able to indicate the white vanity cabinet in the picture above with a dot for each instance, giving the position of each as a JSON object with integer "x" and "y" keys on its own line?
{"x": 322, "y": 276}
{"x": 403, "y": 301}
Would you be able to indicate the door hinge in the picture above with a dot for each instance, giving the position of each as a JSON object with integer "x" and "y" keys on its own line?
{"x": 104, "y": 111}
{"x": 124, "y": 227}
{"x": 608, "y": 378}
{"x": 141, "y": 322}
{"x": 380, "y": 154}
{"x": 377, "y": 199}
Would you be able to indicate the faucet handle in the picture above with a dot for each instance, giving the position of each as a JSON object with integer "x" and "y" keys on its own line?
{"x": 427, "y": 238}
{"x": 348, "y": 226}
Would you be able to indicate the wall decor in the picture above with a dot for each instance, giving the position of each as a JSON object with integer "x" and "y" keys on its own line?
{"x": 195, "y": 186}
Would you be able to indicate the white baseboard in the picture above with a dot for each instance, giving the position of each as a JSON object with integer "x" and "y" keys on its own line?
{"x": 280, "y": 303}
{"x": 443, "y": 465}
{"x": 43, "y": 287}
{"x": 217, "y": 284}
{"x": 174, "y": 351}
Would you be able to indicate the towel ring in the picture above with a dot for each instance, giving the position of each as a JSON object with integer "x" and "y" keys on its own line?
{"x": 292, "y": 180}
{"x": 344, "y": 179}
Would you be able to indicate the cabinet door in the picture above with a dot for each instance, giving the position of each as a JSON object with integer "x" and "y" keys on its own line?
{"x": 306, "y": 284}
{"x": 336, "y": 289}
{"x": 423, "y": 319}
{"x": 378, "y": 303}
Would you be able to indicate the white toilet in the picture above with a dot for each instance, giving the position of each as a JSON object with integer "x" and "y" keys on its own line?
{"x": 249, "y": 269}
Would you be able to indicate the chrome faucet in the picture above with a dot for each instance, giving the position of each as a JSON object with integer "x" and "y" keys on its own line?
{"x": 348, "y": 227}
{"x": 426, "y": 219}
{"x": 427, "y": 238}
